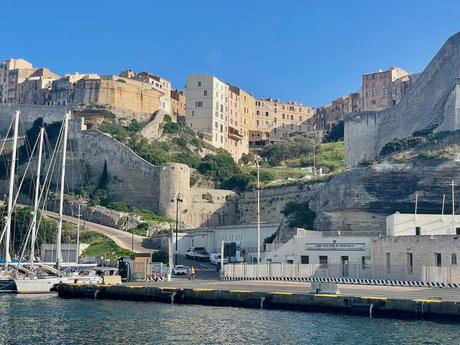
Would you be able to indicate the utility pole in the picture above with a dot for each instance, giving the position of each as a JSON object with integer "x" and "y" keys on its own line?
{"x": 453, "y": 206}
{"x": 78, "y": 235}
{"x": 178, "y": 200}
{"x": 258, "y": 211}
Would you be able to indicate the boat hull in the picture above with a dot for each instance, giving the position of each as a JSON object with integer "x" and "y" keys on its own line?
{"x": 7, "y": 285}
{"x": 32, "y": 286}
{"x": 46, "y": 285}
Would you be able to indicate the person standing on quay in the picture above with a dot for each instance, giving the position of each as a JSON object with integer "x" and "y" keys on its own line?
{"x": 192, "y": 273}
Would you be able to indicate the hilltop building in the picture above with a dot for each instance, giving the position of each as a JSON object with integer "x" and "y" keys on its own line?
{"x": 231, "y": 118}
{"x": 12, "y": 73}
{"x": 276, "y": 121}
{"x": 329, "y": 115}
{"x": 178, "y": 105}
{"x": 36, "y": 88}
{"x": 384, "y": 89}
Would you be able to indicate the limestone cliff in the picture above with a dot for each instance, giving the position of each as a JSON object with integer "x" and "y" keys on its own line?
{"x": 432, "y": 103}
{"x": 359, "y": 199}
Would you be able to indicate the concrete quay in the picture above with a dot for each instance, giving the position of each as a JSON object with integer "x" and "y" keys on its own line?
{"x": 390, "y": 302}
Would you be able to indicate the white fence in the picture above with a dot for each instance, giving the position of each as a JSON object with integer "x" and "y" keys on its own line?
{"x": 351, "y": 271}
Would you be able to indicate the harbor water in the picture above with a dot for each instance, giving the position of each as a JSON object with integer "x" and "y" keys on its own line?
{"x": 46, "y": 319}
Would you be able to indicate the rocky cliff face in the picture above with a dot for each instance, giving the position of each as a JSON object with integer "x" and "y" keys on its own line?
{"x": 432, "y": 103}
{"x": 359, "y": 200}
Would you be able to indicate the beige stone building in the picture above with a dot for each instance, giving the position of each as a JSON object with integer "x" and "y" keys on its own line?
{"x": 36, "y": 89}
{"x": 329, "y": 115}
{"x": 63, "y": 89}
{"x": 383, "y": 89}
{"x": 218, "y": 113}
{"x": 178, "y": 105}
{"x": 131, "y": 99}
{"x": 277, "y": 121}
{"x": 157, "y": 83}
{"x": 247, "y": 111}
{"x": 12, "y": 73}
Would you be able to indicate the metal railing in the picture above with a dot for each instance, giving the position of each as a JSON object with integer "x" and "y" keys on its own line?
{"x": 352, "y": 270}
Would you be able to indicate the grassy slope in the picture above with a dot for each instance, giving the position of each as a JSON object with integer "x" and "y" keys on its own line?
{"x": 100, "y": 245}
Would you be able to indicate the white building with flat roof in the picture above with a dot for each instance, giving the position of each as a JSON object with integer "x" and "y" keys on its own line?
{"x": 206, "y": 108}
{"x": 403, "y": 224}
{"x": 211, "y": 238}
{"x": 315, "y": 247}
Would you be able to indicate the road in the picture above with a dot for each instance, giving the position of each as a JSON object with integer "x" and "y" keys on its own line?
{"x": 124, "y": 239}
{"x": 303, "y": 288}
{"x": 203, "y": 270}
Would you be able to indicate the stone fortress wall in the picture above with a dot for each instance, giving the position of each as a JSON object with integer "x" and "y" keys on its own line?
{"x": 432, "y": 103}
{"x": 131, "y": 179}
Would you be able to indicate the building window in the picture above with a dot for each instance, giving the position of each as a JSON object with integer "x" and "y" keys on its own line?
{"x": 457, "y": 231}
{"x": 417, "y": 231}
{"x": 454, "y": 260}
{"x": 410, "y": 263}
{"x": 205, "y": 92}
{"x": 198, "y": 104}
{"x": 437, "y": 259}
{"x": 365, "y": 262}
{"x": 199, "y": 84}
{"x": 323, "y": 261}
{"x": 388, "y": 262}
{"x": 304, "y": 259}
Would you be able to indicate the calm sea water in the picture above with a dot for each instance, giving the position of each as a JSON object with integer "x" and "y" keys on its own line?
{"x": 49, "y": 320}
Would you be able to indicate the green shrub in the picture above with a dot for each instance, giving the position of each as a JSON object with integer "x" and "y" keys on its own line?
{"x": 276, "y": 153}
{"x": 301, "y": 215}
{"x": 117, "y": 131}
{"x": 167, "y": 118}
{"x": 219, "y": 167}
{"x": 171, "y": 127}
{"x": 336, "y": 133}
{"x": 239, "y": 182}
{"x": 400, "y": 144}
{"x": 265, "y": 175}
{"x": 119, "y": 206}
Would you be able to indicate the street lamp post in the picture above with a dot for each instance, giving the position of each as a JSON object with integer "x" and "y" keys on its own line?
{"x": 177, "y": 199}
{"x": 258, "y": 211}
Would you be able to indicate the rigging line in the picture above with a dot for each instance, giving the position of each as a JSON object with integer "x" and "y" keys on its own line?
{"x": 17, "y": 196}
{"x": 48, "y": 179}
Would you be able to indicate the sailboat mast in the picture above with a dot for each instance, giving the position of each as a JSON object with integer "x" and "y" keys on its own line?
{"x": 61, "y": 198}
{"x": 11, "y": 188}
{"x": 37, "y": 195}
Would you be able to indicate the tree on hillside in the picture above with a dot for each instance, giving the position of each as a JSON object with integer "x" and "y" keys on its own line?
{"x": 278, "y": 152}
{"x": 336, "y": 133}
{"x": 219, "y": 167}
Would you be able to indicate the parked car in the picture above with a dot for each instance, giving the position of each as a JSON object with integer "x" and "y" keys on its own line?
{"x": 197, "y": 253}
{"x": 215, "y": 258}
{"x": 180, "y": 270}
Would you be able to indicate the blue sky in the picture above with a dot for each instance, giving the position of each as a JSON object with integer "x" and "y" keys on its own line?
{"x": 309, "y": 51}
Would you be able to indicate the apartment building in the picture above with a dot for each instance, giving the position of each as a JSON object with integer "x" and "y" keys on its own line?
{"x": 247, "y": 111}
{"x": 12, "y": 73}
{"x": 178, "y": 105}
{"x": 329, "y": 115}
{"x": 384, "y": 89}
{"x": 276, "y": 121}
{"x": 206, "y": 108}
{"x": 36, "y": 89}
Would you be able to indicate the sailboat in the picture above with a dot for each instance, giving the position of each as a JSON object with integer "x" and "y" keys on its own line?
{"x": 41, "y": 278}
{"x": 7, "y": 283}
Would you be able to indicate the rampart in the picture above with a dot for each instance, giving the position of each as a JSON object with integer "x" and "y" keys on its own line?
{"x": 433, "y": 103}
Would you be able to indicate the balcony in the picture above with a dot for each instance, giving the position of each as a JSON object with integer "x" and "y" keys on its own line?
{"x": 234, "y": 133}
